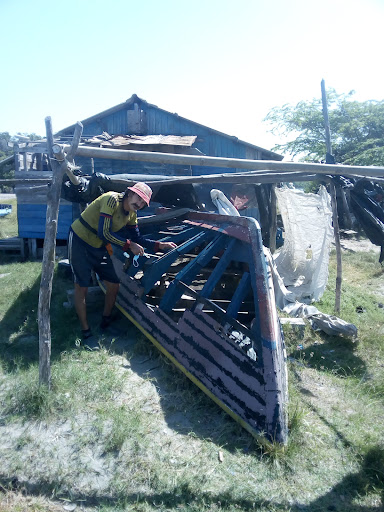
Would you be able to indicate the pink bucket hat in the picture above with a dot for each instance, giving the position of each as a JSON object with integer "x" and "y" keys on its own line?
{"x": 142, "y": 190}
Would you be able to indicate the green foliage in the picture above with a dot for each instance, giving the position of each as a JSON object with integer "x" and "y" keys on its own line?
{"x": 309, "y": 186}
{"x": 4, "y": 149}
{"x": 357, "y": 129}
{"x": 7, "y": 171}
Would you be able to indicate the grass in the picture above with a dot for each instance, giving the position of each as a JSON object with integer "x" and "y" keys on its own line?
{"x": 125, "y": 431}
{"x": 8, "y": 224}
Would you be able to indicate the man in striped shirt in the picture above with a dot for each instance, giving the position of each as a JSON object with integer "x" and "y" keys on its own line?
{"x": 109, "y": 219}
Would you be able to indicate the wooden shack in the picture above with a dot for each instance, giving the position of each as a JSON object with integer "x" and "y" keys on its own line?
{"x": 143, "y": 127}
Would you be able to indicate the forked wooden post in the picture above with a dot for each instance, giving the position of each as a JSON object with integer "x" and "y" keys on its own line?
{"x": 273, "y": 225}
{"x": 59, "y": 166}
{"x": 339, "y": 268}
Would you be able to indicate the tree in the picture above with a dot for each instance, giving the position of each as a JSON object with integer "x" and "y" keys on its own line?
{"x": 4, "y": 149}
{"x": 7, "y": 170}
{"x": 357, "y": 129}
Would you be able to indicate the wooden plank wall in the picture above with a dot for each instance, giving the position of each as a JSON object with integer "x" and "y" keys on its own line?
{"x": 32, "y": 209}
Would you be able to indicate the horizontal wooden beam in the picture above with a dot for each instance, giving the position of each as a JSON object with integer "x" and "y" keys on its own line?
{"x": 32, "y": 174}
{"x": 22, "y": 181}
{"x": 208, "y": 178}
{"x": 236, "y": 178}
{"x": 32, "y": 149}
{"x": 239, "y": 163}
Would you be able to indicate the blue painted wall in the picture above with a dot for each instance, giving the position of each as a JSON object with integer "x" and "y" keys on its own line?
{"x": 32, "y": 217}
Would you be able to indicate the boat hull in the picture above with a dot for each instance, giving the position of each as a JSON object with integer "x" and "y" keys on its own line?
{"x": 239, "y": 363}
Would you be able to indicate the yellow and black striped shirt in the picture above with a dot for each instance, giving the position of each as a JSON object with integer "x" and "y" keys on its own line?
{"x": 105, "y": 216}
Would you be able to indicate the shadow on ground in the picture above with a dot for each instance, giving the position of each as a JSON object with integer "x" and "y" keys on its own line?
{"x": 336, "y": 355}
{"x": 19, "y": 334}
{"x": 341, "y": 498}
{"x": 186, "y": 408}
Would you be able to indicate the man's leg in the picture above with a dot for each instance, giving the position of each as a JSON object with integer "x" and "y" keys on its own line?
{"x": 81, "y": 305}
{"x": 111, "y": 290}
{"x": 81, "y": 268}
{"x": 110, "y": 297}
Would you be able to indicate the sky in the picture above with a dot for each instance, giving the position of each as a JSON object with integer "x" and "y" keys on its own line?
{"x": 222, "y": 63}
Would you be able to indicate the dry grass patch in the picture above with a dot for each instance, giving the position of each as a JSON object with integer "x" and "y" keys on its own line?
{"x": 123, "y": 430}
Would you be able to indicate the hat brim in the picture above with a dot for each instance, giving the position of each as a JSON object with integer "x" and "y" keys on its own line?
{"x": 140, "y": 193}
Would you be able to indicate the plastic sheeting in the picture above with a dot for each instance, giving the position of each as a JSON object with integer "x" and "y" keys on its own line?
{"x": 303, "y": 260}
{"x": 300, "y": 269}
{"x": 285, "y": 301}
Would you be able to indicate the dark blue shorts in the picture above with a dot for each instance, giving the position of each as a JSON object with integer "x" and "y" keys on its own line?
{"x": 83, "y": 259}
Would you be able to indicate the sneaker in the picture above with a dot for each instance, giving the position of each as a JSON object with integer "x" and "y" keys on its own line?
{"x": 89, "y": 341}
{"x": 105, "y": 322}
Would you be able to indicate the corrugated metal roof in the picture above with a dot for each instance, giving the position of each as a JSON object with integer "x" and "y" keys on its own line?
{"x": 120, "y": 141}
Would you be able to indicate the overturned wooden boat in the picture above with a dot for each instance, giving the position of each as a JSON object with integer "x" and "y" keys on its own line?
{"x": 208, "y": 305}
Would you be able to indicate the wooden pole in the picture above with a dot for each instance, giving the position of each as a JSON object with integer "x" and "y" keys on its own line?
{"x": 59, "y": 167}
{"x": 59, "y": 155}
{"x": 273, "y": 220}
{"x": 240, "y": 163}
{"x": 339, "y": 267}
{"x": 335, "y": 217}
{"x": 329, "y": 158}
{"x": 239, "y": 178}
{"x": 246, "y": 177}
{"x": 17, "y": 160}
{"x": 25, "y": 162}
{"x": 346, "y": 213}
{"x": 33, "y": 181}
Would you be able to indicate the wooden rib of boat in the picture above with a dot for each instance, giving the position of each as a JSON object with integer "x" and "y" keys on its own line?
{"x": 208, "y": 305}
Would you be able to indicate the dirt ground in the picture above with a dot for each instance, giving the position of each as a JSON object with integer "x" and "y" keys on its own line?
{"x": 357, "y": 245}
{"x": 5, "y": 197}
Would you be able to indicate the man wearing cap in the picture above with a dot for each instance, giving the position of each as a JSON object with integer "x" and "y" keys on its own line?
{"x": 109, "y": 219}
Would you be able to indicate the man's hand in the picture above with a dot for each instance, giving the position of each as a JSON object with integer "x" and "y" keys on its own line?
{"x": 167, "y": 246}
{"x": 136, "y": 249}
